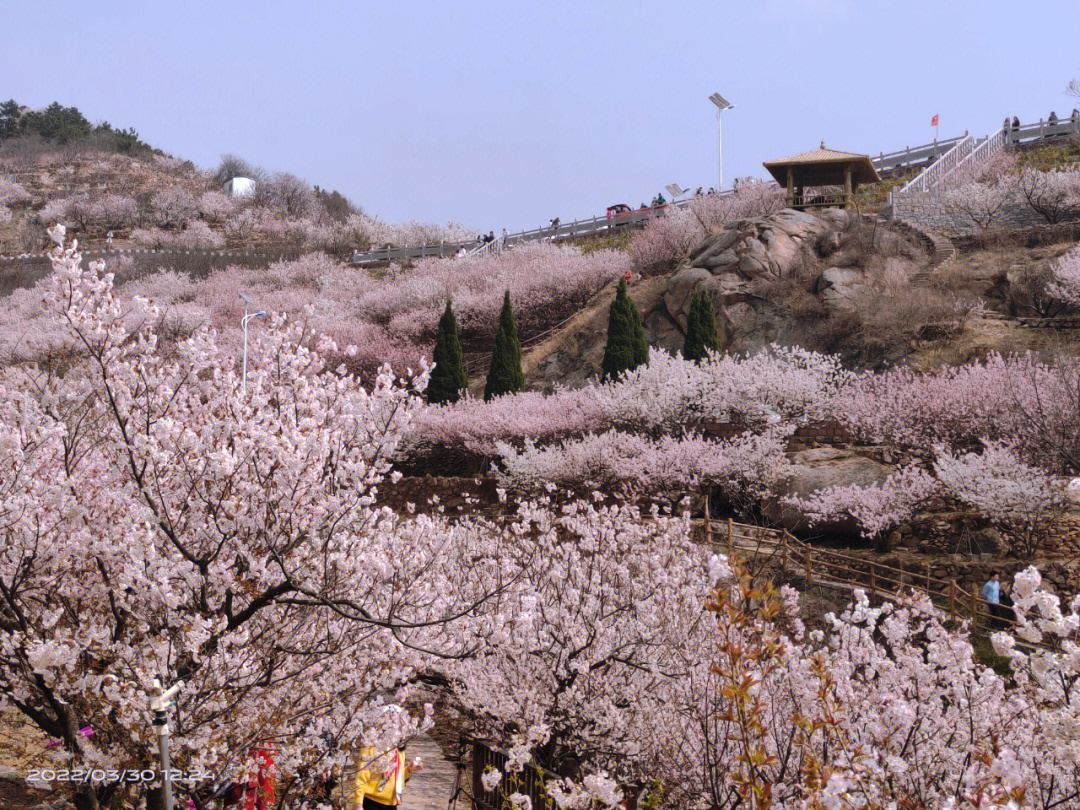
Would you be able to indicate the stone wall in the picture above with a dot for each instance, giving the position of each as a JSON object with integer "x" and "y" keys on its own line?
{"x": 829, "y": 432}
{"x": 929, "y": 210}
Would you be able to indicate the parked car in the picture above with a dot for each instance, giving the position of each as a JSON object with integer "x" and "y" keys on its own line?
{"x": 621, "y": 213}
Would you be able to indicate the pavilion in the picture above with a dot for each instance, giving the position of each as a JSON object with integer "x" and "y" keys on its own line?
{"x": 822, "y": 167}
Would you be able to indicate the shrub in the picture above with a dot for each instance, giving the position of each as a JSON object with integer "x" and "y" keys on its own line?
{"x": 214, "y": 206}
{"x": 627, "y": 347}
{"x": 505, "y": 376}
{"x": 11, "y": 193}
{"x": 287, "y": 194}
{"x": 173, "y": 208}
{"x": 448, "y": 378}
{"x": 700, "y": 328}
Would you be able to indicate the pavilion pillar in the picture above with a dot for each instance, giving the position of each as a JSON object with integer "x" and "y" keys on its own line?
{"x": 790, "y": 199}
{"x": 849, "y": 198}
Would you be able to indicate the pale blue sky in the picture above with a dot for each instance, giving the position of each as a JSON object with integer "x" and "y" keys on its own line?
{"x": 504, "y": 114}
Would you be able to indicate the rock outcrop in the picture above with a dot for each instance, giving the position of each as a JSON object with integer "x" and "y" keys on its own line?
{"x": 819, "y": 468}
{"x": 738, "y": 265}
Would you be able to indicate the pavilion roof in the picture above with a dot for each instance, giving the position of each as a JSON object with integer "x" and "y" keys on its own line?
{"x": 825, "y": 160}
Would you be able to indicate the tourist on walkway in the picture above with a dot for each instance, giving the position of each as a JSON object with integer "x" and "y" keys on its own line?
{"x": 991, "y": 592}
{"x": 1053, "y": 119}
{"x": 1007, "y": 617}
{"x": 381, "y": 778}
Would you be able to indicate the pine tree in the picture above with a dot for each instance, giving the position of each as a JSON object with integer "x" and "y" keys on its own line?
{"x": 700, "y": 329}
{"x": 626, "y": 347}
{"x": 505, "y": 376}
{"x": 448, "y": 377}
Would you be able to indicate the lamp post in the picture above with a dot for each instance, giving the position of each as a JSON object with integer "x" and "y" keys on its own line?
{"x": 244, "y": 329}
{"x": 160, "y": 700}
{"x": 721, "y": 105}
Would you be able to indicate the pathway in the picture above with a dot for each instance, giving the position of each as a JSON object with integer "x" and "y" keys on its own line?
{"x": 431, "y": 788}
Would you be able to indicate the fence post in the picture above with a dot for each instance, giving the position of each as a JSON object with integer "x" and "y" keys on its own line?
{"x": 708, "y": 516}
{"x": 809, "y": 565}
{"x": 974, "y": 606}
{"x": 873, "y": 583}
{"x": 952, "y": 599}
{"x": 730, "y": 536}
{"x": 784, "y": 561}
{"x": 477, "y": 770}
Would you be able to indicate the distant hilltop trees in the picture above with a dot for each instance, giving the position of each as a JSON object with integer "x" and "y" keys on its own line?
{"x": 59, "y": 124}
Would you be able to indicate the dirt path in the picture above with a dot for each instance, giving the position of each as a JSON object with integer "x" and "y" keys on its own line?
{"x": 431, "y": 788}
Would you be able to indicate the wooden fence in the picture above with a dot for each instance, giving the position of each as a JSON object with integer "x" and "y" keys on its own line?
{"x": 826, "y": 568}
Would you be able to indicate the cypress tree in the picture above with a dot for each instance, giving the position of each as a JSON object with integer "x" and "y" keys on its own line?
{"x": 448, "y": 377}
{"x": 626, "y": 347}
{"x": 505, "y": 376}
{"x": 700, "y": 328}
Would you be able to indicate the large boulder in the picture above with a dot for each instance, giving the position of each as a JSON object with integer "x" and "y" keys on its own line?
{"x": 839, "y": 287}
{"x": 820, "y": 468}
{"x": 730, "y": 263}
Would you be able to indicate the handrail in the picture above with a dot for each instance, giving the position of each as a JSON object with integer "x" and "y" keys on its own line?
{"x": 847, "y": 572}
{"x": 967, "y": 168}
{"x": 928, "y": 177}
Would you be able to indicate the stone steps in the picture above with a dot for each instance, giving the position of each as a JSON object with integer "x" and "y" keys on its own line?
{"x": 942, "y": 250}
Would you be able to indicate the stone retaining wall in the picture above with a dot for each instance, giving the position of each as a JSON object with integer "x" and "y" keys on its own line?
{"x": 820, "y": 432}
{"x": 929, "y": 210}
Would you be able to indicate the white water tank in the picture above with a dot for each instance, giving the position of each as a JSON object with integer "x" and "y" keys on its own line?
{"x": 239, "y": 187}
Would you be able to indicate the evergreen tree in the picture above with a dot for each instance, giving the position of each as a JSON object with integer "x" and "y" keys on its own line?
{"x": 448, "y": 377}
{"x": 700, "y": 329}
{"x": 626, "y": 347}
{"x": 505, "y": 376}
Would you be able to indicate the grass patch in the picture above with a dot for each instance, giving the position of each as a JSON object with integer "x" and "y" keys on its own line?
{"x": 984, "y": 654}
{"x": 1062, "y": 154}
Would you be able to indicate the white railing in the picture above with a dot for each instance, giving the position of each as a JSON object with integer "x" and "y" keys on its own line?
{"x": 928, "y": 177}
{"x": 486, "y": 248}
{"x": 908, "y": 156}
{"x": 967, "y": 169}
{"x": 1042, "y": 130}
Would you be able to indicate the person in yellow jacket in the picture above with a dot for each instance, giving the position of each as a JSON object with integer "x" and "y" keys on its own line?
{"x": 381, "y": 778}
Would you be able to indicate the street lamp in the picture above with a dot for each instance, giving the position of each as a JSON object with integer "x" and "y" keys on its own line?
{"x": 675, "y": 190}
{"x": 244, "y": 328}
{"x": 721, "y": 105}
{"x": 160, "y": 700}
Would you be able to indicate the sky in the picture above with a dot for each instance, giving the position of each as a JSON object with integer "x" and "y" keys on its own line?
{"x": 506, "y": 114}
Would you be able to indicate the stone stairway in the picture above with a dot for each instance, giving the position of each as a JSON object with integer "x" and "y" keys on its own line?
{"x": 942, "y": 250}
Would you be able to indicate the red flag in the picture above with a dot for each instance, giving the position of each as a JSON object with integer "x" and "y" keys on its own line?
{"x": 933, "y": 121}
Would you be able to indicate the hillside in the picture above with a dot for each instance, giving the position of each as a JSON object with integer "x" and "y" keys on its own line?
{"x": 55, "y": 167}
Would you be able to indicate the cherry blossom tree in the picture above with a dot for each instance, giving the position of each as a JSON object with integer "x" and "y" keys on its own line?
{"x": 173, "y": 207}
{"x": 884, "y": 706}
{"x": 745, "y": 469}
{"x": 1021, "y": 500}
{"x": 877, "y": 507}
{"x": 982, "y": 203}
{"x": 11, "y": 193}
{"x": 1066, "y": 279}
{"x": 1054, "y": 195}
{"x": 156, "y": 521}
{"x": 1031, "y": 403}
